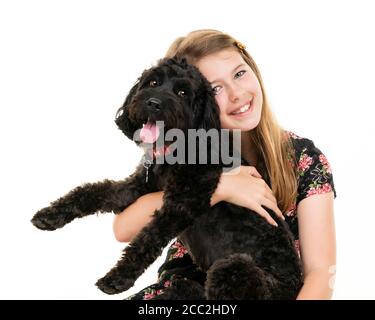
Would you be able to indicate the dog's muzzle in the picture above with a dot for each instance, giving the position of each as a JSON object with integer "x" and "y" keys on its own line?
{"x": 153, "y": 104}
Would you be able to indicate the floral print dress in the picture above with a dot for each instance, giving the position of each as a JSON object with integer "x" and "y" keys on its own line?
{"x": 314, "y": 177}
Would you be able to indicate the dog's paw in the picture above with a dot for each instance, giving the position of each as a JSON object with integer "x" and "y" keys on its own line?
{"x": 114, "y": 283}
{"x": 50, "y": 218}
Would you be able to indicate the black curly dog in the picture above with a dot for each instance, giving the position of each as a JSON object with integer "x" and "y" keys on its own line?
{"x": 244, "y": 256}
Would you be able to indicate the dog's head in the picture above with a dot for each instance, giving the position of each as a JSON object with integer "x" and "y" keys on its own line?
{"x": 173, "y": 92}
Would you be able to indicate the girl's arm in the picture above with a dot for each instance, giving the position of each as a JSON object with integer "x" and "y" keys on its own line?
{"x": 243, "y": 186}
{"x": 318, "y": 246}
{"x": 129, "y": 222}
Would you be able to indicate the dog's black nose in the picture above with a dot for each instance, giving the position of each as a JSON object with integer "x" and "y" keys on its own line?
{"x": 154, "y": 103}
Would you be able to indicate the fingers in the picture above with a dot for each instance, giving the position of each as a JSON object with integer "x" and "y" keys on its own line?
{"x": 269, "y": 195}
{"x": 264, "y": 196}
{"x": 271, "y": 205}
{"x": 266, "y": 190}
{"x": 271, "y": 199}
{"x": 266, "y": 216}
{"x": 253, "y": 172}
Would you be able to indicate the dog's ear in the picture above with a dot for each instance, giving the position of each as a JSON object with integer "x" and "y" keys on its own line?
{"x": 183, "y": 62}
{"x": 210, "y": 119}
{"x": 122, "y": 115}
{"x": 209, "y": 111}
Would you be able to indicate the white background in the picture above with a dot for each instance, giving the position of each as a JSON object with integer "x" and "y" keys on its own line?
{"x": 65, "y": 69}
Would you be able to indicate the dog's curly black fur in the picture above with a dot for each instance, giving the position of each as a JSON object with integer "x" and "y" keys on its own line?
{"x": 244, "y": 256}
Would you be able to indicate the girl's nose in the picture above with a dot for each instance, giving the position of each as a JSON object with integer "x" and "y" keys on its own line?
{"x": 233, "y": 98}
{"x": 234, "y": 93}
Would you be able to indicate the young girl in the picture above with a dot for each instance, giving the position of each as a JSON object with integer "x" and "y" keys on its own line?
{"x": 288, "y": 173}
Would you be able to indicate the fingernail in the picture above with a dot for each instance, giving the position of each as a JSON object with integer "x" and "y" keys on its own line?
{"x": 275, "y": 224}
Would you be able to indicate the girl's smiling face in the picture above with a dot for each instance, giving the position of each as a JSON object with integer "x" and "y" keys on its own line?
{"x": 236, "y": 88}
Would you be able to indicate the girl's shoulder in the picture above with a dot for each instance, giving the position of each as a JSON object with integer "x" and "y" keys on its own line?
{"x": 303, "y": 146}
{"x": 313, "y": 169}
{"x": 298, "y": 141}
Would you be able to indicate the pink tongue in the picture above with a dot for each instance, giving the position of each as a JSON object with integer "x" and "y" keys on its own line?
{"x": 149, "y": 133}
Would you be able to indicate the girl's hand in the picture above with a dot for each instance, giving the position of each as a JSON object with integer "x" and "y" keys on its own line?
{"x": 247, "y": 189}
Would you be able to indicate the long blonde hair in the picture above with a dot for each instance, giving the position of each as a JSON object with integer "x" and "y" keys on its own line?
{"x": 271, "y": 142}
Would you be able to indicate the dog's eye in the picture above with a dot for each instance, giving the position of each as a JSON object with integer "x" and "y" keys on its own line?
{"x": 153, "y": 83}
{"x": 181, "y": 93}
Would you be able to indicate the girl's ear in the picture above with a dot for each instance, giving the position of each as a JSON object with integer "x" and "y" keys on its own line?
{"x": 122, "y": 115}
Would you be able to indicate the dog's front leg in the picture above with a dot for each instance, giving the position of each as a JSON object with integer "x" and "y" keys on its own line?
{"x": 178, "y": 212}
{"x": 146, "y": 247}
{"x": 104, "y": 196}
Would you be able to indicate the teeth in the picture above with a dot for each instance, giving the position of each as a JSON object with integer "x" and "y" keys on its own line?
{"x": 242, "y": 109}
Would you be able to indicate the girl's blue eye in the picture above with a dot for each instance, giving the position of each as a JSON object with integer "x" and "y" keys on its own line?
{"x": 240, "y": 73}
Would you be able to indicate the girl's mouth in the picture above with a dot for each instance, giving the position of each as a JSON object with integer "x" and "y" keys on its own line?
{"x": 244, "y": 110}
